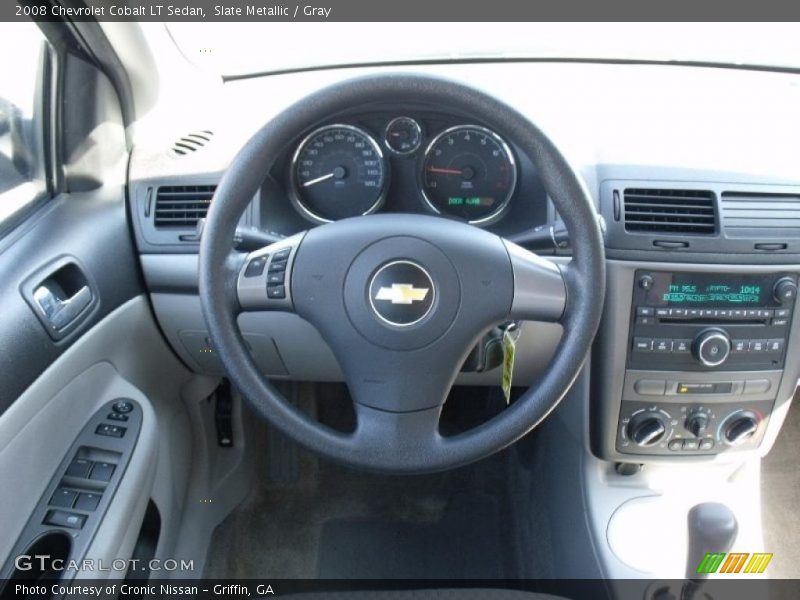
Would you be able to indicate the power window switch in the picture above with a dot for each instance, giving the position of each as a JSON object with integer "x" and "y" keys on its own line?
{"x": 117, "y": 417}
{"x": 88, "y": 501}
{"x": 63, "y": 518}
{"x": 102, "y": 471}
{"x": 79, "y": 468}
{"x": 110, "y": 430}
{"x": 63, "y": 498}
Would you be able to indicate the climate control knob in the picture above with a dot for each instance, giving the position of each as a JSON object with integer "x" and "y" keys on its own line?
{"x": 712, "y": 347}
{"x": 647, "y": 429}
{"x": 741, "y": 428}
{"x": 697, "y": 424}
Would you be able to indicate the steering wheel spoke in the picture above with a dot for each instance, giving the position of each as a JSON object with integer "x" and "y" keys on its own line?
{"x": 264, "y": 279}
{"x": 407, "y": 435}
{"x": 540, "y": 291}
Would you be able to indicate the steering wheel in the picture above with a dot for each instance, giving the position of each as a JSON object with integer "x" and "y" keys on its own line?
{"x": 401, "y": 299}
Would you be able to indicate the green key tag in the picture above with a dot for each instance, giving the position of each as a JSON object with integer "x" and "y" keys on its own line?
{"x": 510, "y": 336}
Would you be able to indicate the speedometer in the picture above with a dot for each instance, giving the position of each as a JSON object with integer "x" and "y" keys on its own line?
{"x": 338, "y": 171}
{"x": 468, "y": 173}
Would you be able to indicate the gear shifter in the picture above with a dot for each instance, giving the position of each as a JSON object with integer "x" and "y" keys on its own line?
{"x": 712, "y": 529}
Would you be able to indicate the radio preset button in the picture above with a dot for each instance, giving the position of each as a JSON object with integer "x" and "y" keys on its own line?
{"x": 679, "y": 312}
{"x": 740, "y": 345}
{"x": 662, "y": 345}
{"x": 681, "y": 346}
{"x": 775, "y": 346}
{"x": 662, "y": 312}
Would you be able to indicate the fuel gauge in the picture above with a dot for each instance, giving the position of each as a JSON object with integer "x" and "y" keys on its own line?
{"x": 403, "y": 136}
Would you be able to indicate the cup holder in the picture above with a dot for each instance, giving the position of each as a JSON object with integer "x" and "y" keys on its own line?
{"x": 36, "y": 566}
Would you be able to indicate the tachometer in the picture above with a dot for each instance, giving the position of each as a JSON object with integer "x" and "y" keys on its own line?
{"x": 338, "y": 171}
{"x": 469, "y": 173}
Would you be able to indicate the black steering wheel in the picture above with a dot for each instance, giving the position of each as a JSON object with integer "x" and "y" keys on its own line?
{"x": 401, "y": 299}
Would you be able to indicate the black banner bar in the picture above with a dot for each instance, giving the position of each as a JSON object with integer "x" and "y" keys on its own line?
{"x": 400, "y": 10}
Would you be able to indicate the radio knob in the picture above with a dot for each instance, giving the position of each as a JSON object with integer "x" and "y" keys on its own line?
{"x": 785, "y": 290}
{"x": 697, "y": 424}
{"x": 740, "y": 429}
{"x": 712, "y": 347}
{"x": 647, "y": 429}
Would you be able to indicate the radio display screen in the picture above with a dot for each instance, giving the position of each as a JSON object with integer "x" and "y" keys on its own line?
{"x": 702, "y": 290}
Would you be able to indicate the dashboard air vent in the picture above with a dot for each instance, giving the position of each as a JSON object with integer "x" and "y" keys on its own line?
{"x": 182, "y": 205}
{"x": 191, "y": 142}
{"x": 669, "y": 211}
{"x": 761, "y": 213}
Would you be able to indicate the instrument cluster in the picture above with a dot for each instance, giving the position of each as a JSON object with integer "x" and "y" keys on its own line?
{"x": 347, "y": 169}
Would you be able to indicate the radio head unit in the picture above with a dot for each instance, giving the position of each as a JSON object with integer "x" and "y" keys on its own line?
{"x": 701, "y": 321}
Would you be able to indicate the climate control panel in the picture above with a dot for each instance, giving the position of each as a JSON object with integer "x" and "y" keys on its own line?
{"x": 672, "y": 429}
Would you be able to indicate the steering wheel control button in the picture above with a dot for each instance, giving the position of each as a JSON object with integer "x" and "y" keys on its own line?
{"x": 277, "y": 266}
{"x": 401, "y": 293}
{"x": 256, "y": 266}
{"x": 273, "y": 278}
{"x": 276, "y": 292}
{"x": 122, "y": 406}
{"x": 62, "y": 518}
{"x": 282, "y": 254}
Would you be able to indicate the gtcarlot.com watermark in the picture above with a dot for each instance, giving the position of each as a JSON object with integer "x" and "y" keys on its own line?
{"x": 44, "y": 562}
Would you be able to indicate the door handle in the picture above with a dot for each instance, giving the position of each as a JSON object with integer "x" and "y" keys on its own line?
{"x": 61, "y": 312}
{"x": 61, "y": 295}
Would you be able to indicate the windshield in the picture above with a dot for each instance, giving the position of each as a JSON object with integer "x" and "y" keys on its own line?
{"x": 244, "y": 48}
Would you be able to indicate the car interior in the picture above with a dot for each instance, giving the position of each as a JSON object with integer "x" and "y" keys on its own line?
{"x": 452, "y": 319}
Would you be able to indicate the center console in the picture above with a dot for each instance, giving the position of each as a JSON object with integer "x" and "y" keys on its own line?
{"x": 704, "y": 358}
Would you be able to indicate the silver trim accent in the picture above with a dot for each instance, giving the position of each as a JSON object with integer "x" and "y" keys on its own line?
{"x": 498, "y": 212}
{"x": 383, "y": 268}
{"x": 714, "y": 335}
{"x": 295, "y": 195}
{"x": 417, "y": 126}
{"x": 252, "y": 291}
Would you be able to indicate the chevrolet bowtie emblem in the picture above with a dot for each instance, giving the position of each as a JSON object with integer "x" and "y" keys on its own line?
{"x": 402, "y": 293}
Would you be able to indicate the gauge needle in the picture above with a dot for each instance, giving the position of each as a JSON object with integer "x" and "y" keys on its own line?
{"x": 445, "y": 171}
{"x": 318, "y": 179}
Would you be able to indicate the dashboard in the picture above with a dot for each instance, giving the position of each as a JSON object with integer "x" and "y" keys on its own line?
{"x": 696, "y": 188}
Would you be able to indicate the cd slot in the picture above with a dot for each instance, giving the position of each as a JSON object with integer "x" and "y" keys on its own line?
{"x": 711, "y": 321}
